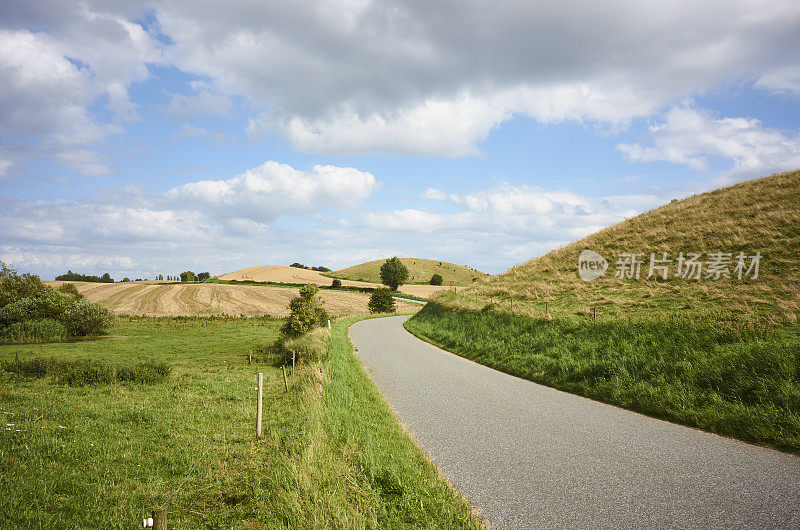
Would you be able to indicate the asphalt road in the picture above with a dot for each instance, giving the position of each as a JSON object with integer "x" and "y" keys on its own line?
{"x": 528, "y": 456}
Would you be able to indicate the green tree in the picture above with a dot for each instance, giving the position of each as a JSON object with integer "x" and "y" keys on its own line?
{"x": 393, "y": 273}
{"x": 436, "y": 279}
{"x": 188, "y": 276}
{"x": 203, "y": 276}
{"x": 381, "y": 301}
{"x": 304, "y": 312}
{"x": 336, "y": 283}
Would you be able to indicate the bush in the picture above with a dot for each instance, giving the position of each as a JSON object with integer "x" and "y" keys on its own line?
{"x": 203, "y": 276}
{"x": 88, "y": 372}
{"x": 393, "y": 273}
{"x": 381, "y": 301}
{"x": 436, "y": 279}
{"x": 87, "y": 318}
{"x": 70, "y": 288}
{"x": 188, "y": 276}
{"x": 305, "y": 314}
{"x": 336, "y": 284}
{"x": 40, "y": 330}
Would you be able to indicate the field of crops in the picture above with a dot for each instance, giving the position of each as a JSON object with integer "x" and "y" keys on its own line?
{"x": 167, "y": 299}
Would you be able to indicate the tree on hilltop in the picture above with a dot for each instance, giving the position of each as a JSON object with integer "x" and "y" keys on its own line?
{"x": 393, "y": 273}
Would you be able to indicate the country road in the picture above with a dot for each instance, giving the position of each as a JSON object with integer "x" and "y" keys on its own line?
{"x": 528, "y": 456}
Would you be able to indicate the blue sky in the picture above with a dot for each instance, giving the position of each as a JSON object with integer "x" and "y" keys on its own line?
{"x": 174, "y": 135}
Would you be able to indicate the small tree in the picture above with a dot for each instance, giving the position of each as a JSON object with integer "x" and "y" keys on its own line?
{"x": 393, "y": 273}
{"x": 203, "y": 276}
{"x": 188, "y": 276}
{"x": 436, "y": 279}
{"x": 304, "y": 312}
{"x": 381, "y": 301}
{"x": 336, "y": 283}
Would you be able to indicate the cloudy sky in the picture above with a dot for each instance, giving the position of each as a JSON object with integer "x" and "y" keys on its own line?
{"x": 158, "y": 136}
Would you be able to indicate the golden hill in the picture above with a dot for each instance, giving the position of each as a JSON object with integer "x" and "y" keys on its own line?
{"x": 757, "y": 216}
{"x": 419, "y": 272}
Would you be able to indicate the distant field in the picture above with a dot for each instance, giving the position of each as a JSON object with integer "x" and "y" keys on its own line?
{"x": 419, "y": 272}
{"x": 281, "y": 274}
{"x": 154, "y": 299}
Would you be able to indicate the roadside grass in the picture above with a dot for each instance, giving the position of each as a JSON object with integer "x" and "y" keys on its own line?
{"x": 726, "y": 377}
{"x": 106, "y": 453}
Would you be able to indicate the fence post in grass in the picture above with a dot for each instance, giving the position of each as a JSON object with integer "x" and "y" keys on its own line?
{"x": 545, "y": 308}
{"x": 260, "y": 381}
{"x": 594, "y": 314}
{"x": 292, "y": 362}
{"x": 250, "y": 357}
{"x": 160, "y": 519}
{"x": 285, "y": 381}
{"x": 329, "y": 324}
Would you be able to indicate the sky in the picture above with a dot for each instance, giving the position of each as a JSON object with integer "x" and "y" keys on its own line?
{"x": 153, "y": 137}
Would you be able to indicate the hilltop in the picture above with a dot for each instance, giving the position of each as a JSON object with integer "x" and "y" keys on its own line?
{"x": 419, "y": 272}
{"x": 757, "y": 216}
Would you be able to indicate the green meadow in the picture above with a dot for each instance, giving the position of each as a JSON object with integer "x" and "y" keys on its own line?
{"x": 84, "y": 445}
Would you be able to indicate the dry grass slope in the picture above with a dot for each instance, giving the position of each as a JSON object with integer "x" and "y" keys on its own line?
{"x": 419, "y": 272}
{"x": 759, "y": 215}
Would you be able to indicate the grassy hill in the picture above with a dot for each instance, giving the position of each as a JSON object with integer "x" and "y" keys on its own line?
{"x": 718, "y": 354}
{"x": 756, "y": 216}
{"x": 419, "y": 272}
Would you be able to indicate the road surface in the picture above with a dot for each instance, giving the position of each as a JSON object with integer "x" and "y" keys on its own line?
{"x": 530, "y": 456}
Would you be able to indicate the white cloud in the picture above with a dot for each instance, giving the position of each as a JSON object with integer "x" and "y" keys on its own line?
{"x": 203, "y": 103}
{"x": 691, "y": 136}
{"x": 265, "y": 192}
{"x": 784, "y": 80}
{"x": 428, "y": 78}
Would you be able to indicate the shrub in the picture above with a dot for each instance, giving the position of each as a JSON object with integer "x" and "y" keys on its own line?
{"x": 203, "y": 276}
{"x": 381, "y": 301}
{"x": 336, "y": 284}
{"x": 87, "y": 318}
{"x": 393, "y": 273}
{"x": 148, "y": 373}
{"x": 436, "y": 279}
{"x": 69, "y": 288}
{"x": 308, "y": 292}
{"x": 305, "y": 314}
{"x": 14, "y": 287}
{"x": 40, "y": 330}
{"x": 88, "y": 372}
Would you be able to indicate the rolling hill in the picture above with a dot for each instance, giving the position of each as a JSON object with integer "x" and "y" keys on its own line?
{"x": 419, "y": 272}
{"x": 757, "y": 216}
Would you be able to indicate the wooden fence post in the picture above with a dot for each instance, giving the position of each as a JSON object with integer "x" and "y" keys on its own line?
{"x": 293, "y": 362}
{"x": 285, "y": 381}
{"x": 160, "y": 519}
{"x": 260, "y": 381}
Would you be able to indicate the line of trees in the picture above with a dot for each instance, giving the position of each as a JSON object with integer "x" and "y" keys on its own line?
{"x": 75, "y": 277}
{"x": 317, "y": 268}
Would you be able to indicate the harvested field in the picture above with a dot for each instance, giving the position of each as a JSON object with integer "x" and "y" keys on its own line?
{"x": 281, "y": 274}
{"x": 205, "y": 299}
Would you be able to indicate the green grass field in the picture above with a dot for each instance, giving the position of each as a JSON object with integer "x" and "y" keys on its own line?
{"x": 419, "y": 272}
{"x": 105, "y": 455}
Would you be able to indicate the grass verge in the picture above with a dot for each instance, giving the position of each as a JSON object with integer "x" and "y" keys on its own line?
{"x": 105, "y": 454}
{"x": 739, "y": 383}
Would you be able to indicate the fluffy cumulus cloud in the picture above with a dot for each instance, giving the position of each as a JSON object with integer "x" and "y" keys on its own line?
{"x": 435, "y": 78}
{"x": 200, "y": 218}
{"x": 692, "y": 136}
{"x": 365, "y": 76}
{"x": 57, "y": 62}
